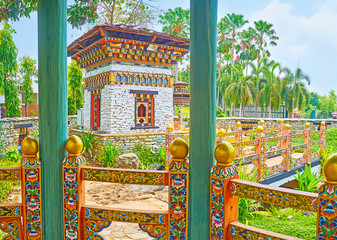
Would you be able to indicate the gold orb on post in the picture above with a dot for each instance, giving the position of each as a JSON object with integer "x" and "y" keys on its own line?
{"x": 74, "y": 146}
{"x": 287, "y": 127}
{"x": 282, "y": 121}
{"x": 262, "y": 122}
{"x": 238, "y": 124}
{"x": 259, "y": 129}
{"x": 222, "y": 132}
{"x": 307, "y": 125}
{"x": 169, "y": 128}
{"x": 178, "y": 149}
{"x": 330, "y": 169}
{"x": 29, "y": 147}
{"x": 224, "y": 154}
{"x": 322, "y": 124}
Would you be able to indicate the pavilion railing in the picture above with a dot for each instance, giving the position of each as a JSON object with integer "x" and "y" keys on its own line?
{"x": 251, "y": 147}
{"x": 83, "y": 221}
{"x": 226, "y": 188}
{"x": 23, "y": 220}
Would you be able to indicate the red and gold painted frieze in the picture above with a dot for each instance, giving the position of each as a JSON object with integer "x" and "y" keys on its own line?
{"x": 128, "y": 78}
{"x": 276, "y": 196}
{"x": 10, "y": 174}
{"x": 125, "y": 176}
{"x": 123, "y": 50}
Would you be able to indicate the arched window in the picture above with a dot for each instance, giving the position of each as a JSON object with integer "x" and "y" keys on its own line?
{"x": 118, "y": 78}
{"x": 154, "y": 81}
{"x": 131, "y": 79}
{"x": 137, "y": 79}
{"x": 141, "y": 111}
{"x": 143, "y": 80}
{"x": 149, "y": 80}
{"x": 125, "y": 78}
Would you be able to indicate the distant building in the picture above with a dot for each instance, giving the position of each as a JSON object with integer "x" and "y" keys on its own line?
{"x": 334, "y": 115}
{"x": 129, "y": 77}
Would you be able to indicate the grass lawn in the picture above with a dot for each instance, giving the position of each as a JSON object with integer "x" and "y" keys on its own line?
{"x": 299, "y": 226}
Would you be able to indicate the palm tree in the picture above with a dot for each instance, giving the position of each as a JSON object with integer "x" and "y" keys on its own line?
{"x": 240, "y": 88}
{"x": 257, "y": 75}
{"x": 270, "y": 94}
{"x": 297, "y": 90}
{"x": 266, "y": 35}
{"x": 176, "y": 22}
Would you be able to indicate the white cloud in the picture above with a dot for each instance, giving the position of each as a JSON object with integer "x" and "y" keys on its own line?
{"x": 310, "y": 39}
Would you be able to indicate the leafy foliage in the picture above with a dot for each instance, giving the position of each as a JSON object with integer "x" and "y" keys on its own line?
{"x": 15, "y": 9}
{"x": 147, "y": 156}
{"x": 129, "y": 12}
{"x": 75, "y": 94}
{"x": 27, "y": 70}
{"x": 12, "y": 154}
{"x": 8, "y": 68}
{"x": 176, "y": 22}
{"x": 109, "y": 153}
{"x": 89, "y": 141}
{"x": 308, "y": 180}
{"x": 2, "y": 145}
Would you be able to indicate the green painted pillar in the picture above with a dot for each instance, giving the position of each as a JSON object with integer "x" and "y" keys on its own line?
{"x": 52, "y": 111}
{"x": 203, "y": 116}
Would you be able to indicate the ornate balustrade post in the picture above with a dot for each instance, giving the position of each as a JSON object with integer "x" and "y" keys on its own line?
{"x": 178, "y": 190}
{"x": 238, "y": 138}
{"x": 169, "y": 137}
{"x": 287, "y": 146}
{"x": 259, "y": 150}
{"x": 73, "y": 189}
{"x": 31, "y": 189}
{"x": 322, "y": 136}
{"x": 327, "y": 198}
{"x": 221, "y": 136}
{"x": 280, "y": 131}
{"x": 307, "y": 141}
{"x": 224, "y": 206}
{"x": 262, "y": 123}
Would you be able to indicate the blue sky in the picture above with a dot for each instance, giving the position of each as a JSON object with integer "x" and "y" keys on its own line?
{"x": 307, "y": 31}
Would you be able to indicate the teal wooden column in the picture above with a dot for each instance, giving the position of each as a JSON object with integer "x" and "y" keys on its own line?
{"x": 52, "y": 111}
{"x": 203, "y": 116}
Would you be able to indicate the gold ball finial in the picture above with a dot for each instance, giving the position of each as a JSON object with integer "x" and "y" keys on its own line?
{"x": 323, "y": 124}
{"x": 282, "y": 121}
{"x": 29, "y": 147}
{"x": 307, "y": 125}
{"x": 178, "y": 149}
{"x": 287, "y": 127}
{"x": 262, "y": 122}
{"x": 222, "y": 132}
{"x": 238, "y": 124}
{"x": 74, "y": 146}
{"x": 224, "y": 154}
{"x": 169, "y": 128}
{"x": 259, "y": 129}
{"x": 330, "y": 169}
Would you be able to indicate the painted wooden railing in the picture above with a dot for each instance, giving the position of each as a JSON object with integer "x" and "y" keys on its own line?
{"x": 82, "y": 221}
{"x": 257, "y": 141}
{"x": 226, "y": 188}
{"x": 23, "y": 220}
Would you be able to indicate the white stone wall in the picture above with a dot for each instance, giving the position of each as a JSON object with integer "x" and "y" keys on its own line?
{"x": 129, "y": 68}
{"x": 118, "y": 109}
{"x": 86, "y": 109}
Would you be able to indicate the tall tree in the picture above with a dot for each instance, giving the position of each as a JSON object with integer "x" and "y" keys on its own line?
{"x": 75, "y": 94}
{"x": 176, "y": 22}
{"x": 270, "y": 94}
{"x": 28, "y": 71}
{"x": 298, "y": 91}
{"x": 130, "y": 12}
{"x": 8, "y": 68}
{"x": 240, "y": 89}
{"x": 15, "y": 9}
{"x": 266, "y": 35}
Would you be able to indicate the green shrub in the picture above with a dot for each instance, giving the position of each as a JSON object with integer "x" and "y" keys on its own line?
{"x": 308, "y": 180}
{"x": 148, "y": 156}
{"x": 109, "y": 153}
{"x": 7, "y": 186}
{"x": 247, "y": 206}
{"x": 12, "y": 154}
{"x": 88, "y": 142}
{"x": 2, "y": 144}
